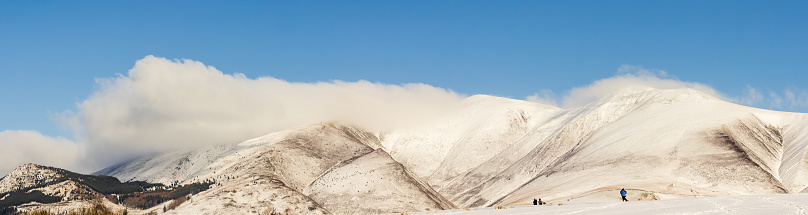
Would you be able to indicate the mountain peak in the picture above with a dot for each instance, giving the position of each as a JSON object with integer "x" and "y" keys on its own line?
{"x": 30, "y": 166}
{"x": 27, "y": 175}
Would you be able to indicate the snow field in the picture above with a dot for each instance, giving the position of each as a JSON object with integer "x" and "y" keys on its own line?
{"x": 736, "y": 205}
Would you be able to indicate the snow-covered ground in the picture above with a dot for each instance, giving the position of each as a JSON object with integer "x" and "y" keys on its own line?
{"x": 738, "y": 205}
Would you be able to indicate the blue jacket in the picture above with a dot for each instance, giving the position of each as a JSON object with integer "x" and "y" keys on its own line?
{"x": 623, "y": 192}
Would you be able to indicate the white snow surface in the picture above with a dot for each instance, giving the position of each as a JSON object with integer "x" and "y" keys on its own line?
{"x": 736, "y": 205}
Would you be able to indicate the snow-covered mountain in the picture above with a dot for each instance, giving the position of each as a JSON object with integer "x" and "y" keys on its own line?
{"x": 655, "y": 143}
{"x": 660, "y": 143}
{"x": 313, "y": 169}
{"x": 27, "y": 176}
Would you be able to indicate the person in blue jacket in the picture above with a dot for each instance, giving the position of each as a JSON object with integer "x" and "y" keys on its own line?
{"x": 623, "y": 194}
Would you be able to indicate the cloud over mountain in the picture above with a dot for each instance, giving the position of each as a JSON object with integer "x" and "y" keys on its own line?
{"x": 165, "y": 104}
{"x": 627, "y": 76}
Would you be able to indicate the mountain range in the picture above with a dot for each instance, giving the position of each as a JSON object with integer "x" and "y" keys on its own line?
{"x": 655, "y": 143}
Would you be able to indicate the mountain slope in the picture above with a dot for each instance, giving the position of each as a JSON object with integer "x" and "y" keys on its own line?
{"x": 463, "y": 141}
{"x": 377, "y": 181}
{"x": 662, "y": 143}
{"x": 291, "y": 171}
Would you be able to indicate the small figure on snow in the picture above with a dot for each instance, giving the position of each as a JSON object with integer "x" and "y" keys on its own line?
{"x": 535, "y": 202}
{"x": 623, "y": 194}
{"x": 541, "y": 202}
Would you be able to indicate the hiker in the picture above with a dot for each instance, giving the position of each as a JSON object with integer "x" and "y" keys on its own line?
{"x": 535, "y": 202}
{"x": 542, "y": 203}
{"x": 623, "y": 193}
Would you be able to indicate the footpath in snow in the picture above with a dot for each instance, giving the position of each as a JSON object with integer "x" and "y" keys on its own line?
{"x": 757, "y": 204}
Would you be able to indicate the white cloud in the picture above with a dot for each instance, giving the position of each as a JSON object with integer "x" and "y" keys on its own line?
{"x": 791, "y": 99}
{"x": 627, "y": 76}
{"x": 23, "y": 146}
{"x": 796, "y": 98}
{"x": 638, "y": 70}
{"x": 751, "y": 96}
{"x": 545, "y": 96}
{"x": 163, "y": 104}
{"x": 775, "y": 101}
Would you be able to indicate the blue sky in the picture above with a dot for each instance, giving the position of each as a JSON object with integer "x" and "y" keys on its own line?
{"x": 52, "y": 52}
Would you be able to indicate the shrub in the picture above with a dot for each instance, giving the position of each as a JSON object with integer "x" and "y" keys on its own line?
{"x": 150, "y": 199}
{"x": 176, "y": 203}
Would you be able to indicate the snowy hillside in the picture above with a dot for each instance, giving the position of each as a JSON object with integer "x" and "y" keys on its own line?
{"x": 663, "y": 143}
{"x": 313, "y": 169}
{"x": 27, "y": 176}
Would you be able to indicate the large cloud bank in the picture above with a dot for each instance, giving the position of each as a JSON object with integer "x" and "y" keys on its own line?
{"x": 166, "y": 104}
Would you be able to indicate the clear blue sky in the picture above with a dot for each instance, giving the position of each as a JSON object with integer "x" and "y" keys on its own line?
{"x": 51, "y": 52}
